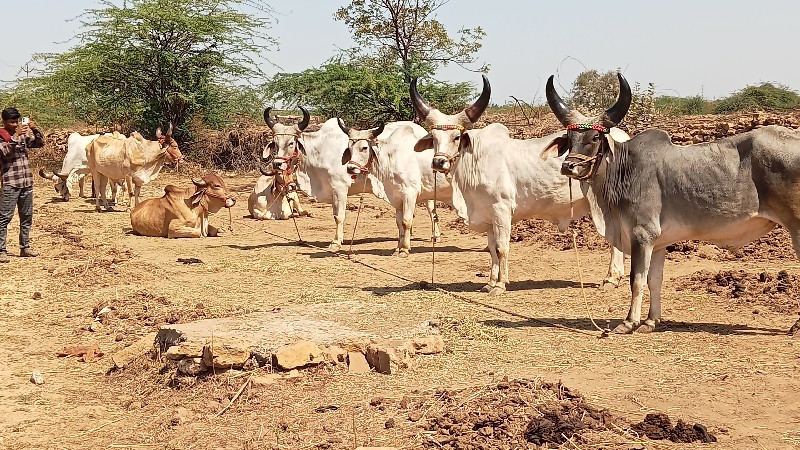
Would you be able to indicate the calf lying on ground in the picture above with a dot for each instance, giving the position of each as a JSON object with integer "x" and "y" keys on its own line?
{"x": 274, "y": 197}
{"x": 183, "y": 212}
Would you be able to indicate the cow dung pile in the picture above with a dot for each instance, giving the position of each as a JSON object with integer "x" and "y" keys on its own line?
{"x": 779, "y": 291}
{"x": 533, "y": 414}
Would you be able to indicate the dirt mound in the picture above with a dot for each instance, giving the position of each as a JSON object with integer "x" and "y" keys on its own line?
{"x": 511, "y": 414}
{"x": 657, "y": 426}
{"x": 547, "y": 234}
{"x": 779, "y": 292}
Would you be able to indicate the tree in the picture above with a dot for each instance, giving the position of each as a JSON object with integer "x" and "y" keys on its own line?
{"x": 407, "y": 32}
{"x": 764, "y": 96}
{"x": 398, "y": 40}
{"x": 153, "y": 61}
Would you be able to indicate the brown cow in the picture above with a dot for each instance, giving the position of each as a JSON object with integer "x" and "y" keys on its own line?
{"x": 183, "y": 212}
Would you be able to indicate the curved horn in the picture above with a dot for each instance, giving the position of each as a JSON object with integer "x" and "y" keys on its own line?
{"x": 343, "y": 126}
{"x": 421, "y": 107}
{"x": 44, "y": 175}
{"x": 268, "y": 119}
{"x": 474, "y": 112}
{"x": 169, "y": 130}
{"x": 377, "y": 131}
{"x": 306, "y": 119}
{"x": 201, "y": 184}
{"x": 559, "y": 108}
{"x": 616, "y": 113}
{"x": 265, "y": 173}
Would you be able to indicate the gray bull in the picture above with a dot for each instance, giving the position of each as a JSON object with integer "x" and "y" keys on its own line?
{"x": 648, "y": 193}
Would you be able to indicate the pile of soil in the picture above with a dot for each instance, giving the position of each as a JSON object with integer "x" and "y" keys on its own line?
{"x": 657, "y": 426}
{"x": 779, "y": 292}
{"x": 512, "y": 414}
{"x": 145, "y": 309}
{"x": 777, "y": 244}
{"x": 547, "y": 234}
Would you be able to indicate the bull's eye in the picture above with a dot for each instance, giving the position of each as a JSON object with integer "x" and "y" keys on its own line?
{"x": 595, "y": 138}
{"x": 457, "y": 138}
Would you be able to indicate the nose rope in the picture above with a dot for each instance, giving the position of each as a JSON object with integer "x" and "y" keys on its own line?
{"x": 579, "y": 160}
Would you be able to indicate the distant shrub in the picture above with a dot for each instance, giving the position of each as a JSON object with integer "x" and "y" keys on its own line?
{"x": 683, "y": 106}
{"x": 765, "y": 96}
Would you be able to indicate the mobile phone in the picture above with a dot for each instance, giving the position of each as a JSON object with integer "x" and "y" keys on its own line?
{"x": 25, "y": 120}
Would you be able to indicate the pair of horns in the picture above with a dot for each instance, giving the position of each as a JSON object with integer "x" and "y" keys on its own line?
{"x": 473, "y": 112}
{"x": 168, "y": 136}
{"x": 301, "y": 125}
{"x": 50, "y": 175}
{"x": 611, "y": 117}
{"x": 375, "y": 132}
{"x": 201, "y": 184}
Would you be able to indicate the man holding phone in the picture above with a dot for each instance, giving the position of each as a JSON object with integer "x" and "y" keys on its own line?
{"x": 17, "y": 178}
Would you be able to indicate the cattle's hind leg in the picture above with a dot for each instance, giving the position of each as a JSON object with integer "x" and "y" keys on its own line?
{"x": 655, "y": 276}
{"x": 176, "y": 229}
{"x": 795, "y": 233}
{"x": 436, "y": 234}
{"x": 495, "y": 271}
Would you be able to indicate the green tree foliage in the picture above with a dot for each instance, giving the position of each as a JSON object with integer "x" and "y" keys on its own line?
{"x": 683, "y": 106}
{"x": 764, "y": 96}
{"x": 398, "y": 40}
{"x": 154, "y": 61}
{"x": 359, "y": 94}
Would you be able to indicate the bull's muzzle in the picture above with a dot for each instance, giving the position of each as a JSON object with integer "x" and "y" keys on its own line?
{"x": 352, "y": 169}
{"x": 230, "y": 202}
{"x": 440, "y": 164}
{"x": 280, "y": 164}
{"x": 570, "y": 169}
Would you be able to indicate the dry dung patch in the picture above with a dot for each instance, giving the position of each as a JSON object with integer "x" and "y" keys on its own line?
{"x": 778, "y": 291}
{"x": 657, "y": 426}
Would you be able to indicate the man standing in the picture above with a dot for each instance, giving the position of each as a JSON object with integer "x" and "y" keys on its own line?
{"x": 17, "y": 179}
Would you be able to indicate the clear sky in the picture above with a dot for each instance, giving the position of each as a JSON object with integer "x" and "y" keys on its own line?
{"x": 684, "y": 47}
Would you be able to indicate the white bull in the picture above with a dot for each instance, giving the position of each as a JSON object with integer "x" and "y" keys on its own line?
{"x": 318, "y": 159}
{"x": 387, "y": 152}
{"x": 75, "y": 167}
{"x": 502, "y": 180}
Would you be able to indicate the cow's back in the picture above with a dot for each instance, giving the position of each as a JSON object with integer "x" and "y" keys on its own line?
{"x": 152, "y": 217}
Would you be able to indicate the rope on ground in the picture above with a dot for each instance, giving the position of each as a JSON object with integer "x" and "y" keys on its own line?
{"x": 424, "y": 284}
{"x": 603, "y": 331}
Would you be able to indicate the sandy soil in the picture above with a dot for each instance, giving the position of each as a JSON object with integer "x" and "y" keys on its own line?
{"x": 719, "y": 359}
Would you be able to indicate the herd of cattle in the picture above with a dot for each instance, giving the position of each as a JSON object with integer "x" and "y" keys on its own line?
{"x": 643, "y": 193}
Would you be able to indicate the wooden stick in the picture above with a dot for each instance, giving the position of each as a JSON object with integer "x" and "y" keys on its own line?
{"x": 100, "y": 427}
{"x": 238, "y": 393}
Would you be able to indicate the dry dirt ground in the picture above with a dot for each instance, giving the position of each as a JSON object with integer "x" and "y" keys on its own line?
{"x": 720, "y": 358}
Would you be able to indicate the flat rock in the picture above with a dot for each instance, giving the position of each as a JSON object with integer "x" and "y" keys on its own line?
{"x": 123, "y": 357}
{"x": 190, "y": 349}
{"x": 37, "y": 378}
{"x": 357, "y": 363}
{"x": 226, "y": 353}
{"x": 428, "y": 345}
{"x": 299, "y": 354}
{"x": 335, "y": 354}
{"x": 390, "y": 355}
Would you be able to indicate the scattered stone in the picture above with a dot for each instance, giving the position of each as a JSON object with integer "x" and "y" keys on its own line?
{"x": 229, "y": 353}
{"x": 119, "y": 338}
{"x": 389, "y": 423}
{"x": 326, "y": 408}
{"x": 185, "y": 350}
{"x": 181, "y": 416}
{"x": 138, "y": 348}
{"x": 375, "y": 401}
{"x": 335, "y": 354}
{"x": 37, "y": 378}
{"x": 37, "y": 295}
{"x": 133, "y": 406}
{"x": 88, "y": 353}
{"x": 428, "y": 345}
{"x": 390, "y": 355}
{"x": 265, "y": 380}
{"x": 192, "y": 366}
{"x": 299, "y": 354}
{"x": 414, "y": 416}
{"x": 190, "y": 260}
{"x": 357, "y": 363}
{"x": 95, "y": 326}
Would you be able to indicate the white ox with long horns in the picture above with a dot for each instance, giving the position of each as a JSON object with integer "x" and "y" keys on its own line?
{"x": 502, "y": 180}
{"x": 316, "y": 158}
{"x": 648, "y": 193}
{"x": 134, "y": 157}
{"x": 75, "y": 167}
{"x": 387, "y": 152}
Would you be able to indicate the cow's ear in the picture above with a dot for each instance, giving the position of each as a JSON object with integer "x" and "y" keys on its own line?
{"x": 346, "y": 156}
{"x": 555, "y": 148}
{"x": 301, "y": 147}
{"x": 424, "y": 143}
{"x": 465, "y": 142}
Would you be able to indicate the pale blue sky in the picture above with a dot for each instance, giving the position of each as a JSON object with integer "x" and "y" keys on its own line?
{"x": 684, "y": 47}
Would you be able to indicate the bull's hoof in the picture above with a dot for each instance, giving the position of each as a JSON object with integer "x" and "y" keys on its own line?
{"x": 609, "y": 283}
{"x": 436, "y": 239}
{"x": 335, "y": 246}
{"x": 647, "y": 327}
{"x": 402, "y": 253}
{"x": 307, "y": 214}
{"x": 97, "y": 209}
{"x": 497, "y": 290}
{"x": 487, "y": 288}
{"x": 624, "y": 328}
